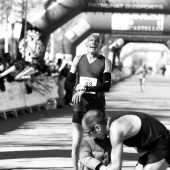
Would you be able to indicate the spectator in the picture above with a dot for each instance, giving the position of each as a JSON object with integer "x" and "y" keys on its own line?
{"x": 163, "y": 68}
{"x": 94, "y": 153}
{"x": 2, "y": 69}
{"x": 65, "y": 95}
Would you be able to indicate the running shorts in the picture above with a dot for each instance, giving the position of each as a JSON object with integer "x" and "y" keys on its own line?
{"x": 88, "y": 102}
{"x": 160, "y": 151}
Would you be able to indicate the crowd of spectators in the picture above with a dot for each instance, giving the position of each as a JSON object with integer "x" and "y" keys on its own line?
{"x": 35, "y": 71}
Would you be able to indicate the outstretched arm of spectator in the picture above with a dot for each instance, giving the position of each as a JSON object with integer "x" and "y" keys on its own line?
{"x": 87, "y": 159}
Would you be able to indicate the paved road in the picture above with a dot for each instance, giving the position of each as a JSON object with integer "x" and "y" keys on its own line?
{"x": 42, "y": 140}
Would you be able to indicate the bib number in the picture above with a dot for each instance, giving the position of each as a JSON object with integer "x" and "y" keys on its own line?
{"x": 88, "y": 81}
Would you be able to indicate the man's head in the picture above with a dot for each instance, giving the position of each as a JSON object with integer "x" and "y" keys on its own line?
{"x": 94, "y": 124}
{"x": 117, "y": 44}
{"x": 94, "y": 43}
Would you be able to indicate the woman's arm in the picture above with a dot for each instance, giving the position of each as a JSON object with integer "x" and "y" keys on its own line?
{"x": 86, "y": 157}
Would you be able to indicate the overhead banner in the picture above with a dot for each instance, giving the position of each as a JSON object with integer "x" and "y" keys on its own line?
{"x": 120, "y": 5}
{"x": 124, "y": 5}
{"x": 137, "y": 22}
{"x": 59, "y": 12}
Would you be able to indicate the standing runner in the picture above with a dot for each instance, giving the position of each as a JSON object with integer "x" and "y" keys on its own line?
{"x": 142, "y": 72}
{"x": 93, "y": 77}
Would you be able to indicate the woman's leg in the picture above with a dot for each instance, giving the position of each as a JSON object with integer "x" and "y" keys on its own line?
{"x": 77, "y": 138}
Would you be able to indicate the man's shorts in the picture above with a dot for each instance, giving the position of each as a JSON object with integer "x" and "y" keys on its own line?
{"x": 160, "y": 151}
{"x": 88, "y": 102}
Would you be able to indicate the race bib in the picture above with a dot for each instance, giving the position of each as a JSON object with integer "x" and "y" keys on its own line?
{"x": 88, "y": 81}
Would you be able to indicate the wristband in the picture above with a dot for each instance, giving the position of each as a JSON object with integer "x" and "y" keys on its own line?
{"x": 74, "y": 89}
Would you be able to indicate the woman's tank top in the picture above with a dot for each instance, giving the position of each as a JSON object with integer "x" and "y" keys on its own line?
{"x": 151, "y": 131}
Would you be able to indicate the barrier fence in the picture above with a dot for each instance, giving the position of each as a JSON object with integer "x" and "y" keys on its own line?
{"x": 15, "y": 97}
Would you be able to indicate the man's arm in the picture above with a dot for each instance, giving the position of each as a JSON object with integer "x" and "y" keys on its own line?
{"x": 105, "y": 86}
{"x": 116, "y": 138}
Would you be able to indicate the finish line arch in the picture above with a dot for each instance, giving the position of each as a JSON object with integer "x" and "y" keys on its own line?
{"x": 102, "y": 18}
{"x": 129, "y": 48}
{"x": 84, "y": 24}
{"x": 61, "y": 11}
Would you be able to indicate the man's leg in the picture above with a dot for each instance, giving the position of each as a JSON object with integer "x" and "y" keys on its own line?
{"x": 77, "y": 135}
{"x": 161, "y": 165}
